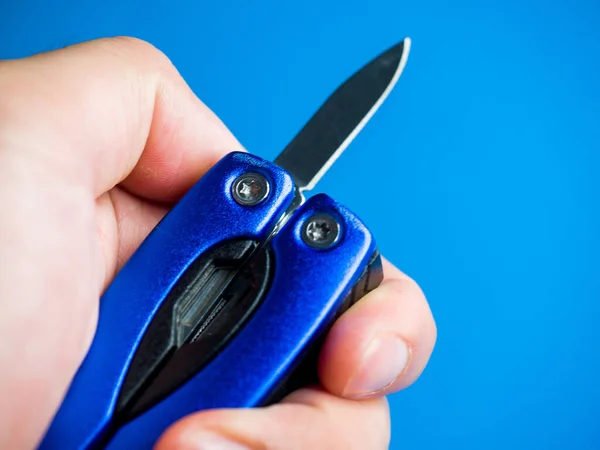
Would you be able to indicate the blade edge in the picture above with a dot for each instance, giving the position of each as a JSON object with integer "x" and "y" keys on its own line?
{"x": 335, "y": 155}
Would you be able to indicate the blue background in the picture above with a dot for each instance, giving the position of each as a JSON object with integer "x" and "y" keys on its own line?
{"x": 478, "y": 176}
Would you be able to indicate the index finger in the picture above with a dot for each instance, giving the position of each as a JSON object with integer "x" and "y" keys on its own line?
{"x": 112, "y": 110}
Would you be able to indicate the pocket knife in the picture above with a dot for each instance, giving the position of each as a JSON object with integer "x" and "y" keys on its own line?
{"x": 227, "y": 301}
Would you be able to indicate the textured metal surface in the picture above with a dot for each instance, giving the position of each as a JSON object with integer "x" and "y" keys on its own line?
{"x": 343, "y": 115}
{"x": 206, "y": 215}
{"x": 308, "y": 288}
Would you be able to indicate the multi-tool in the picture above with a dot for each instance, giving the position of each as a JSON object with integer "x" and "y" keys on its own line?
{"x": 227, "y": 301}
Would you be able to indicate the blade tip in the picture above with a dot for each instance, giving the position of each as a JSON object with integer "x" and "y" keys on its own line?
{"x": 404, "y": 48}
{"x": 407, "y": 44}
{"x": 399, "y": 52}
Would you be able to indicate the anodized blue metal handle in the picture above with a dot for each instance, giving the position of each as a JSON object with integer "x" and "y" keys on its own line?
{"x": 307, "y": 290}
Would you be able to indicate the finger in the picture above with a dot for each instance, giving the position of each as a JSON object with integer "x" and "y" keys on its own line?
{"x": 120, "y": 112}
{"x": 308, "y": 419}
{"x": 124, "y": 221}
{"x": 382, "y": 343}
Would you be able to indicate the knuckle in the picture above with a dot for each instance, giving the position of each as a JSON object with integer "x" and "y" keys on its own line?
{"x": 134, "y": 50}
{"x": 133, "y": 44}
{"x": 128, "y": 43}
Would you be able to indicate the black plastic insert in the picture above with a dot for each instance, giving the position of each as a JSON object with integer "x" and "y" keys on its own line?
{"x": 205, "y": 309}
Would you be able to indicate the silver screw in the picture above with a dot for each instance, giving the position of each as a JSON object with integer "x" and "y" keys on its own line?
{"x": 321, "y": 231}
{"x": 250, "y": 189}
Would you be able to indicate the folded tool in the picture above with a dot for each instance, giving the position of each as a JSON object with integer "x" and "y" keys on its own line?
{"x": 227, "y": 301}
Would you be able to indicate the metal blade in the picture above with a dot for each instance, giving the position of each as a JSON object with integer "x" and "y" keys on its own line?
{"x": 343, "y": 115}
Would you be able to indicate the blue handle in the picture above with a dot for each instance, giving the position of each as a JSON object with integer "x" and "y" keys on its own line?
{"x": 307, "y": 289}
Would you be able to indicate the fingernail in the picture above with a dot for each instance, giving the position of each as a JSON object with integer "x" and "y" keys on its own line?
{"x": 211, "y": 441}
{"x": 384, "y": 361}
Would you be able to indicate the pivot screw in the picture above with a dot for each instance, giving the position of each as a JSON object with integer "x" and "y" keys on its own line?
{"x": 250, "y": 189}
{"x": 321, "y": 231}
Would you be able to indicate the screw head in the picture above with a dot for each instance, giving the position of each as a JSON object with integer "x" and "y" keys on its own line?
{"x": 321, "y": 231}
{"x": 250, "y": 189}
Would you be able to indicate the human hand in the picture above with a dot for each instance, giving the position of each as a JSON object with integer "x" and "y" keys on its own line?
{"x": 97, "y": 141}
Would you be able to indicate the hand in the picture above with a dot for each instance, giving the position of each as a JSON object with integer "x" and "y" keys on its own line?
{"x": 96, "y": 142}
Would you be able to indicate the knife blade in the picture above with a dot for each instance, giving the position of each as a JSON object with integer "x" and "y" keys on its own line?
{"x": 341, "y": 117}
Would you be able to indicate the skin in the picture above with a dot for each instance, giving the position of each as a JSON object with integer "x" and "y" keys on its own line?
{"x": 97, "y": 141}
